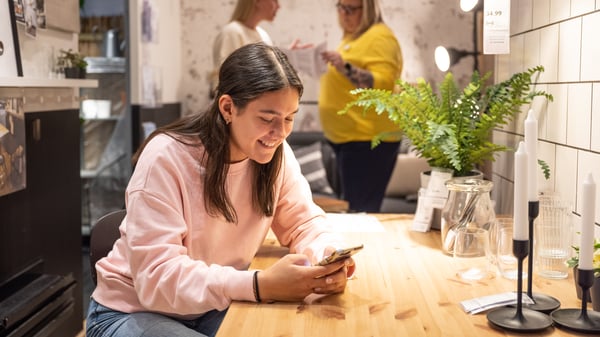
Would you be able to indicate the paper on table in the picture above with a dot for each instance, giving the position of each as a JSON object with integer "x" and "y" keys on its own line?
{"x": 308, "y": 60}
{"x": 480, "y": 304}
{"x": 354, "y": 222}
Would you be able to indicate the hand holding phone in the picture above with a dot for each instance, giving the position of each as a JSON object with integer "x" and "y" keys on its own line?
{"x": 340, "y": 254}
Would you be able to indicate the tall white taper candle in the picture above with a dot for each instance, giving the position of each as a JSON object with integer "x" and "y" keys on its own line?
{"x": 586, "y": 246}
{"x": 531, "y": 139}
{"x": 520, "y": 219}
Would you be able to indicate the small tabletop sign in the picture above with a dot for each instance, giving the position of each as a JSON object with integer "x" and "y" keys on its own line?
{"x": 434, "y": 196}
{"x": 496, "y": 27}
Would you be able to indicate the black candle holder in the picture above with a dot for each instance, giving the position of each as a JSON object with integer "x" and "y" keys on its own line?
{"x": 519, "y": 319}
{"x": 576, "y": 319}
{"x": 541, "y": 302}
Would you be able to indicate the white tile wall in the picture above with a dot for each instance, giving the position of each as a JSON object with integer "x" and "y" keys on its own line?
{"x": 531, "y": 49}
{"x": 579, "y": 7}
{"x": 502, "y": 67}
{"x": 549, "y": 53}
{"x": 559, "y": 10}
{"x": 502, "y": 194}
{"x": 556, "y": 115}
{"x": 504, "y": 160}
{"x": 517, "y": 47}
{"x": 566, "y": 173}
{"x": 519, "y": 120}
{"x": 569, "y": 134}
{"x": 522, "y": 11}
{"x": 579, "y": 110}
{"x": 590, "y": 48}
{"x": 541, "y": 13}
{"x": 569, "y": 45}
{"x": 596, "y": 118}
{"x": 540, "y": 106}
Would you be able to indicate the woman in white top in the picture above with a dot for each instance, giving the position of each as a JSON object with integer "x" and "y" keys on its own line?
{"x": 243, "y": 29}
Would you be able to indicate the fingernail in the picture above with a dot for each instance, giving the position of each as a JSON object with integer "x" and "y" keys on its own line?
{"x": 329, "y": 280}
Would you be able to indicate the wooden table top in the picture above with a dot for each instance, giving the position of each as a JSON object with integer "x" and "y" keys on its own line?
{"x": 403, "y": 286}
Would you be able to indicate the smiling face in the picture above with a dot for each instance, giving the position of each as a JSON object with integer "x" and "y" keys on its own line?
{"x": 259, "y": 128}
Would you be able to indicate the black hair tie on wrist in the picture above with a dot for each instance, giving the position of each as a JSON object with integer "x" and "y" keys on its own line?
{"x": 255, "y": 286}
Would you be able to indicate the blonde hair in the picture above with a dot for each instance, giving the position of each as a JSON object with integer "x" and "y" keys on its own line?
{"x": 243, "y": 10}
{"x": 371, "y": 14}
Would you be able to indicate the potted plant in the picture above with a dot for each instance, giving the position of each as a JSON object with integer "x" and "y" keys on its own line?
{"x": 72, "y": 63}
{"x": 573, "y": 262}
{"x": 452, "y": 128}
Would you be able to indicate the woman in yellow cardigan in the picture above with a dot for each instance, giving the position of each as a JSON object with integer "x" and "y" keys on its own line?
{"x": 369, "y": 56}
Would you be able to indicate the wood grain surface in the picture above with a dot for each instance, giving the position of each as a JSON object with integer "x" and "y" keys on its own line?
{"x": 403, "y": 286}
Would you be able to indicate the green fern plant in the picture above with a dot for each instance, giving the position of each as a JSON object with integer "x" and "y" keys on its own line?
{"x": 451, "y": 128}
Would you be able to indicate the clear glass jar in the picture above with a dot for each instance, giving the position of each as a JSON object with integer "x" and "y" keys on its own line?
{"x": 468, "y": 205}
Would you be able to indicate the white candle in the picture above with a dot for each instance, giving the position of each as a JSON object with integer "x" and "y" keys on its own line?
{"x": 520, "y": 223}
{"x": 586, "y": 246}
{"x": 531, "y": 138}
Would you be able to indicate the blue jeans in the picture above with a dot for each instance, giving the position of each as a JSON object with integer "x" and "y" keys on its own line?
{"x": 105, "y": 322}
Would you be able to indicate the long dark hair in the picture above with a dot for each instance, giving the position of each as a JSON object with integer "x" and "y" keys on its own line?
{"x": 245, "y": 75}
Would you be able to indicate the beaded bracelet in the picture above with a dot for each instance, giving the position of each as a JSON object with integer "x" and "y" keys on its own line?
{"x": 255, "y": 287}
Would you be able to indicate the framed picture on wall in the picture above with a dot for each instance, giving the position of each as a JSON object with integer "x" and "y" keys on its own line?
{"x": 10, "y": 54}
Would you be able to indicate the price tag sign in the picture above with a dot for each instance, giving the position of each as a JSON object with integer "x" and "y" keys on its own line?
{"x": 496, "y": 26}
{"x": 430, "y": 198}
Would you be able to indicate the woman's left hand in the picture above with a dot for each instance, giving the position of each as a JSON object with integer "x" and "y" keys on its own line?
{"x": 334, "y": 58}
{"x": 335, "y": 282}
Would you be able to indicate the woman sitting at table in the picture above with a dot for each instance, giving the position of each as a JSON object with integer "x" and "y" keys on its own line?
{"x": 205, "y": 192}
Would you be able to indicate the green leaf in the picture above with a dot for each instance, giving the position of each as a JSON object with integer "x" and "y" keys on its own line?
{"x": 545, "y": 168}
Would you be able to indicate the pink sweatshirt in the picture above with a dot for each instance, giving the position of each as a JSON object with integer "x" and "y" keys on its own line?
{"x": 175, "y": 259}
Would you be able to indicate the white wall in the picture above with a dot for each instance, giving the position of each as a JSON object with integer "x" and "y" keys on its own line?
{"x": 38, "y": 55}
{"x": 163, "y": 53}
{"x": 562, "y": 36}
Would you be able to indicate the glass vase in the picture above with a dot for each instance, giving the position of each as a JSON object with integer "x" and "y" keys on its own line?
{"x": 468, "y": 205}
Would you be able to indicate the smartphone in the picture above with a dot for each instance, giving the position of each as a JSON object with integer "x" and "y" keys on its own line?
{"x": 340, "y": 254}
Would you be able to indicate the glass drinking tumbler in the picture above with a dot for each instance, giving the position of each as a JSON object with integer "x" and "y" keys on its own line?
{"x": 553, "y": 234}
{"x": 471, "y": 256}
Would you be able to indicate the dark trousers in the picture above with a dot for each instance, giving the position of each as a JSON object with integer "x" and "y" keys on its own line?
{"x": 364, "y": 172}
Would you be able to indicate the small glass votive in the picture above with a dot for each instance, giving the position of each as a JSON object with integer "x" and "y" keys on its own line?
{"x": 472, "y": 255}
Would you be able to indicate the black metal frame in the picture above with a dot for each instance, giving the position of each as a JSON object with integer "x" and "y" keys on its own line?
{"x": 15, "y": 37}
